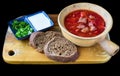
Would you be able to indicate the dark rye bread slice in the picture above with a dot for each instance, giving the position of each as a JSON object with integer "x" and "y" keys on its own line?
{"x": 50, "y": 34}
{"x": 39, "y": 39}
{"x": 60, "y": 49}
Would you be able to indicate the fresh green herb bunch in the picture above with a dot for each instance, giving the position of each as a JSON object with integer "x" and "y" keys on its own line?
{"x": 22, "y": 28}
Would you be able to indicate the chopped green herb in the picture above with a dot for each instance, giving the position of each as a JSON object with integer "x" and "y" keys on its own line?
{"x": 22, "y": 28}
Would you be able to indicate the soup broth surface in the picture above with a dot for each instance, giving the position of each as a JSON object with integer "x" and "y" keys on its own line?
{"x": 84, "y": 23}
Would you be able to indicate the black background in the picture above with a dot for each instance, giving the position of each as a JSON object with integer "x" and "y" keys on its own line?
{"x": 15, "y": 8}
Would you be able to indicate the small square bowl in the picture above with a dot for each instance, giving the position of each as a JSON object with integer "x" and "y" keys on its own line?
{"x": 38, "y": 21}
{"x": 20, "y": 28}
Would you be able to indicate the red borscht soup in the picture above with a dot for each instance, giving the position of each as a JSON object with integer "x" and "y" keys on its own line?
{"x": 84, "y": 23}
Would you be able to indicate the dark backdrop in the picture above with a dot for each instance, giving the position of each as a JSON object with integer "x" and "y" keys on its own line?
{"x": 15, "y": 8}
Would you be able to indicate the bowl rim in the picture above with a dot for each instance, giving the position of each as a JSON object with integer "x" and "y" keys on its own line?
{"x": 80, "y": 37}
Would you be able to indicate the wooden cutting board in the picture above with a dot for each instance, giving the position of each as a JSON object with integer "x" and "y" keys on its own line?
{"x": 19, "y": 52}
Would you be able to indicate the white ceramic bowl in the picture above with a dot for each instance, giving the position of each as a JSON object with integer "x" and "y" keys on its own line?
{"x": 85, "y": 41}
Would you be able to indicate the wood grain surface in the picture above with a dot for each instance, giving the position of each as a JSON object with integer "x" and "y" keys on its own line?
{"x": 19, "y": 52}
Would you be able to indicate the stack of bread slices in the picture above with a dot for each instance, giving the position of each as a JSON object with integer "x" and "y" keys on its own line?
{"x": 54, "y": 46}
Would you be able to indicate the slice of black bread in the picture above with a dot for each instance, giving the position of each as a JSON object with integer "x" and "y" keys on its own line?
{"x": 50, "y": 34}
{"x": 39, "y": 39}
{"x": 60, "y": 49}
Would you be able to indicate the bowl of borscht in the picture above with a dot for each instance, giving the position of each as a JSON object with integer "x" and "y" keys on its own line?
{"x": 85, "y": 24}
